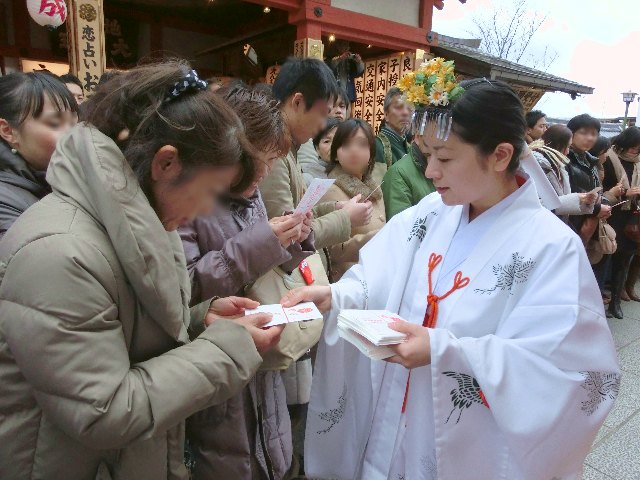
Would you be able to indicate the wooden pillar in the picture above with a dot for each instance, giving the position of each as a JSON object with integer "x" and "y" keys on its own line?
{"x": 85, "y": 28}
{"x": 308, "y": 48}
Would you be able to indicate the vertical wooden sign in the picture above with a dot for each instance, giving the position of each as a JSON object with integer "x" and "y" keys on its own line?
{"x": 368, "y": 107}
{"x": 393, "y": 71}
{"x": 381, "y": 91}
{"x": 356, "y": 108}
{"x": 86, "y": 42}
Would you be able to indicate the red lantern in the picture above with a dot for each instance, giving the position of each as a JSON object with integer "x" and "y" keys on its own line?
{"x": 48, "y": 13}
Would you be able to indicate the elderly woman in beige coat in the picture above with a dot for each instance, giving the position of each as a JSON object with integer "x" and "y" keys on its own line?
{"x": 101, "y": 358}
{"x": 353, "y": 166}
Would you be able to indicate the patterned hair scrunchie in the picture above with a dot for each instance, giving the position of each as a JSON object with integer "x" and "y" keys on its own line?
{"x": 189, "y": 83}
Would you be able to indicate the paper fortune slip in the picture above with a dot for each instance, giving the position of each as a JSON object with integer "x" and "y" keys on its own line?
{"x": 317, "y": 189}
{"x": 369, "y": 332}
{"x": 300, "y": 313}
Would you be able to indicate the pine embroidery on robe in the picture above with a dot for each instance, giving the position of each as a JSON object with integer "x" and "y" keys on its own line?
{"x": 599, "y": 386}
{"x": 334, "y": 415}
{"x": 513, "y": 273}
{"x": 365, "y": 289}
{"x": 467, "y": 393}
{"x": 419, "y": 228}
{"x": 430, "y": 466}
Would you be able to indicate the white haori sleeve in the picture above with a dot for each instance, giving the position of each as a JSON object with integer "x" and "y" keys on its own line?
{"x": 342, "y": 393}
{"x": 542, "y": 385}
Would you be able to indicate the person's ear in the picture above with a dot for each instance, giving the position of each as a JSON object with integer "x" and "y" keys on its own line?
{"x": 166, "y": 166}
{"x": 8, "y": 133}
{"x": 502, "y": 156}
{"x": 297, "y": 102}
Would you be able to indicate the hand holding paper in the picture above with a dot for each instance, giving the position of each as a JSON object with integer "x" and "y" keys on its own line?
{"x": 282, "y": 315}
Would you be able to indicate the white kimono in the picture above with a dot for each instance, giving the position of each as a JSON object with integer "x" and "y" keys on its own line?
{"x": 523, "y": 366}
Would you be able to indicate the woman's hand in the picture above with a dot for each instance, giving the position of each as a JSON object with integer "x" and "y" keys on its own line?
{"x": 263, "y": 338}
{"x": 306, "y": 227}
{"x": 617, "y": 191}
{"x": 416, "y": 350}
{"x": 633, "y": 191}
{"x": 359, "y": 213}
{"x": 320, "y": 295}
{"x": 588, "y": 198}
{"x": 228, "y": 307}
{"x": 233, "y": 308}
{"x": 605, "y": 212}
{"x": 288, "y": 229}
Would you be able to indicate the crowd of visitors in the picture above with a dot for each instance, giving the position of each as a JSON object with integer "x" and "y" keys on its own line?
{"x": 141, "y": 223}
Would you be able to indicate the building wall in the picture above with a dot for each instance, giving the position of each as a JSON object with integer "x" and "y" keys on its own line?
{"x": 401, "y": 11}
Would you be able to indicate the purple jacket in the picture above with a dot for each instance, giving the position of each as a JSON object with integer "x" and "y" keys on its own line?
{"x": 234, "y": 247}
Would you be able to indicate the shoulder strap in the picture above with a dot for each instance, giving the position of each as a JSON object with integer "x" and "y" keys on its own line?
{"x": 386, "y": 145}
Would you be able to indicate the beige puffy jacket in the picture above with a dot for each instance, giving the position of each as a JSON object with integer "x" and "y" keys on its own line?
{"x": 96, "y": 366}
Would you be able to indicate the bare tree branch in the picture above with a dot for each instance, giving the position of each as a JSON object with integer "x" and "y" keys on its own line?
{"x": 508, "y": 34}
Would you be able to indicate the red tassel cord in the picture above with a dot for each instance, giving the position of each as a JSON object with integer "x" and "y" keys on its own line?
{"x": 431, "y": 315}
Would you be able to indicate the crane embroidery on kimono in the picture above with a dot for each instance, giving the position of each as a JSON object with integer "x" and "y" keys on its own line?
{"x": 600, "y": 387}
{"x": 467, "y": 393}
{"x": 513, "y": 273}
{"x": 419, "y": 228}
{"x": 334, "y": 415}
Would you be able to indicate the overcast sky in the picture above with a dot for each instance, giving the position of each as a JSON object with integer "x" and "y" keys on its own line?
{"x": 598, "y": 44}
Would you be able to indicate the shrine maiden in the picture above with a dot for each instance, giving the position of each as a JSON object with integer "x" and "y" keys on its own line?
{"x": 509, "y": 369}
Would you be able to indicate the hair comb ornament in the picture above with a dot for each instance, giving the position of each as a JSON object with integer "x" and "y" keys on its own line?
{"x": 432, "y": 88}
{"x": 189, "y": 83}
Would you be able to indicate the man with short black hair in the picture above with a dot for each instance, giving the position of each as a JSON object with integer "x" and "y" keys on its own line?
{"x": 391, "y": 143}
{"x": 306, "y": 89}
{"x": 536, "y": 125}
{"x": 74, "y": 85}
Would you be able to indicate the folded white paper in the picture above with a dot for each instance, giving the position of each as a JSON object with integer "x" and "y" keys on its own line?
{"x": 317, "y": 189}
{"x": 368, "y": 330}
{"x": 281, "y": 315}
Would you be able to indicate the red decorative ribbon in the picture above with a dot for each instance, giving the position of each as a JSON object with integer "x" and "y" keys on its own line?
{"x": 431, "y": 315}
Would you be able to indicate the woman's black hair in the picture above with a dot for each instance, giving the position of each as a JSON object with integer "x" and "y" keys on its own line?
{"x": 132, "y": 109}
{"x": 342, "y": 95}
{"x": 557, "y": 137}
{"x": 331, "y": 123}
{"x": 22, "y": 95}
{"x": 629, "y": 138}
{"x": 602, "y": 145}
{"x": 583, "y": 121}
{"x": 533, "y": 117}
{"x": 490, "y": 113}
{"x": 345, "y": 132}
{"x": 310, "y": 77}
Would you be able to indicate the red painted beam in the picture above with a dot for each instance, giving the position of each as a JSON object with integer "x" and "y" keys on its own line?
{"x": 425, "y": 19}
{"x": 361, "y": 28}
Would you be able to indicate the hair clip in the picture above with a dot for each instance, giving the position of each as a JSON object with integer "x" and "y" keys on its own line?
{"x": 189, "y": 83}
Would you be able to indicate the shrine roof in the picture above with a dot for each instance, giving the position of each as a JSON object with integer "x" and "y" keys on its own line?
{"x": 468, "y": 54}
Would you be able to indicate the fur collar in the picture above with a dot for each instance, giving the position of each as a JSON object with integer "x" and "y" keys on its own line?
{"x": 353, "y": 186}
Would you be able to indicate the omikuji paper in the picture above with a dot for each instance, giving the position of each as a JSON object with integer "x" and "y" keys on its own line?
{"x": 317, "y": 190}
{"x": 281, "y": 315}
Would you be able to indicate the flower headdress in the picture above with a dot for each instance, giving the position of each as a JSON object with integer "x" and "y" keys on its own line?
{"x": 431, "y": 89}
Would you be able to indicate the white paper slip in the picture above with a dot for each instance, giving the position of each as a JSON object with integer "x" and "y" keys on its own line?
{"x": 372, "y": 325}
{"x": 317, "y": 189}
{"x": 281, "y": 315}
{"x": 365, "y": 346}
